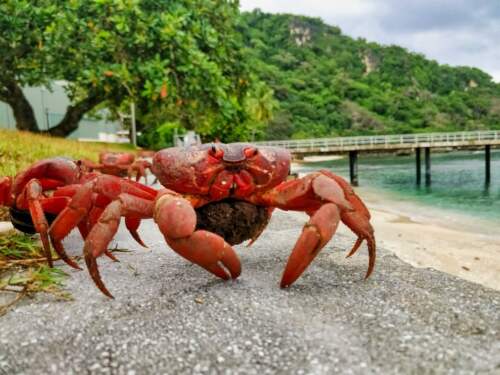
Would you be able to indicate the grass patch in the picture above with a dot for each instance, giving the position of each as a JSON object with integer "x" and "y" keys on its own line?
{"x": 20, "y": 149}
{"x": 23, "y": 271}
{"x": 4, "y": 214}
{"x": 23, "y": 267}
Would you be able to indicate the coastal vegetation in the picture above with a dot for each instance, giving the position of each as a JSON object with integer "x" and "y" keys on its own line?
{"x": 329, "y": 84}
{"x": 176, "y": 60}
{"x": 202, "y": 65}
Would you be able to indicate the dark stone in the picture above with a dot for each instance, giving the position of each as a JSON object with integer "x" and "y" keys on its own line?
{"x": 235, "y": 221}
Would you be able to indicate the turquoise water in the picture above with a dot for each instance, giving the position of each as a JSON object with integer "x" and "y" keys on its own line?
{"x": 457, "y": 180}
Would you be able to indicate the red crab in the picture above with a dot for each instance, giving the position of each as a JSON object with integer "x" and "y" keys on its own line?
{"x": 42, "y": 191}
{"x": 119, "y": 164}
{"x": 197, "y": 176}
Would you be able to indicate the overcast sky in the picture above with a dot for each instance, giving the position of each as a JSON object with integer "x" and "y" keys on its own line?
{"x": 455, "y": 32}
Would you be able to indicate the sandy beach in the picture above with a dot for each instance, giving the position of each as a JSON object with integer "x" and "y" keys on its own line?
{"x": 428, "y": 237}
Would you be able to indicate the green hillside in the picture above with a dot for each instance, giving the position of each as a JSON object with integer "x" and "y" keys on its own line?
{"x": 329, "y": 84}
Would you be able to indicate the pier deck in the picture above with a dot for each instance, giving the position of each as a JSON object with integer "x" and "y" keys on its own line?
{"x": 379, "y": 143}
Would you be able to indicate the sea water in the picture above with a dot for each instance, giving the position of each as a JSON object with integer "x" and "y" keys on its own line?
{"x": 457, "y": 180}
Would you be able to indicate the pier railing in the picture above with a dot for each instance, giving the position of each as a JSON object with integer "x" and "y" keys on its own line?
{"x": 339, "y": 144}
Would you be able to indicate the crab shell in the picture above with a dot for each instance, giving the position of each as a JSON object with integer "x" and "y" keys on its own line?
{"x": 221, "y": 170}
{"x": 114, "y": 158}
{"x": 59, "y": 168}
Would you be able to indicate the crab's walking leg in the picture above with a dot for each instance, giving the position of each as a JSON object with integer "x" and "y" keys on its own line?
{"x": 34, "y": 192}
{"x": 315, "y": 235}
{"x": 69, "y": 218}
{"x": 107, "y": 188}
{"x": 138, "y": 170}
{"x": 104, "y": 230}
{"x": 85, "y": 226}
{"x": 327, "y": 198}
{"x": 32, "y": 199}
{"x": 358, "y": 220}
{"x": 176, "y": 219}
{"x": 132, "y": 224}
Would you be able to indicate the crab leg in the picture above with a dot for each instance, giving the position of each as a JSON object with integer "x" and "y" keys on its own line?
{"x": 32, "y": 199}
{"x": 139, "y": 168}
{"x": 176, "y": 219}
{"x": 315, "y": 235}
{"x": 328, "y": 199}
{"x": 104, "y": 230}
{"x": 85, "y": 226}
{"x": 358, "y": 220}
{"x": 5, "y": 193}
{"x": 33, "y": 193}
{"x": 69, "y": 218}
{"x": 132, "y": 224}
{"x": 106, "y": 188}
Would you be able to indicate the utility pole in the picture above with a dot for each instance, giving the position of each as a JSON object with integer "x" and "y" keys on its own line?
{"x": 133, "y": 132}
{"x": 131, "y": 116}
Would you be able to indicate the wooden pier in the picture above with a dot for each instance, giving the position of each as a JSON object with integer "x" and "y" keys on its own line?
{"x": 380, "y": 143}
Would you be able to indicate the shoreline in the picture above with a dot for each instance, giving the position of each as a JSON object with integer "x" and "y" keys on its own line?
{"x": 428, "y": 237}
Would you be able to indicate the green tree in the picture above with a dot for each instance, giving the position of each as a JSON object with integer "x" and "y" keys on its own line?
{"x": 25, "y": 56}
{"x": 183, "y": 56}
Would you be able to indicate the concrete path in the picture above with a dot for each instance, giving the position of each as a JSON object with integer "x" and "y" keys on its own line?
{"x": 172, "y": 317}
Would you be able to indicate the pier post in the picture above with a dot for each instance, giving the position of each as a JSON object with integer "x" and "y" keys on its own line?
{"x": 417, "y": 165}
{"x": 487, "y": 160}
{"x": 353, "y": 167}
{"x": 427, "y": 153}
{"x": 299, "y": 157}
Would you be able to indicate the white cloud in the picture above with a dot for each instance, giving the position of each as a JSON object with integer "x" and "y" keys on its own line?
{"x": 311, "y": 7}
{"x": 455, "y": 32}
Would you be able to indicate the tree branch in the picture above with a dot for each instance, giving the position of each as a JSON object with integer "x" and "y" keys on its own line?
{"x": 74, "y": 114}
{"x": 13, "y": 95}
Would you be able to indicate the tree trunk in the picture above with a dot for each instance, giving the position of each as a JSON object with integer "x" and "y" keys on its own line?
{"x": 13, "y": 95}
{"x": 73, "y": 115}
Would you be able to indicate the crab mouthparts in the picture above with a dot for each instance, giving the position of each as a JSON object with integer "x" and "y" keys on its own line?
{"x": 234, "y": 167}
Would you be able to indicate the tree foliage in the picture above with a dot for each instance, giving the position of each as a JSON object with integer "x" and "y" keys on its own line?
{"x": 181, "y": 59}
{"x": 25, "y": 57}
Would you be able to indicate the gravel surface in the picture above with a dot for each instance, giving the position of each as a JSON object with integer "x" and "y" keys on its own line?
{"x": 172, "y": 317}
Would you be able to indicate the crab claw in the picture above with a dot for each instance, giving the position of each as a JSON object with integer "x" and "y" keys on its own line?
{"x": 315, "y": 235}
{"x": 209, "y": 251}
{"x": 176, "y": 219}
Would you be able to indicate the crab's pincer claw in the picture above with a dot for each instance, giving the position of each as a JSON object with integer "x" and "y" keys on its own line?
{"x": 209, "y": 251}
{"x": 176, "y": 219}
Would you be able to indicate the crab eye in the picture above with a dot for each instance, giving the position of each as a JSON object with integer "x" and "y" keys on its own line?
{"x": 216, "y": 152}
{"x": 251, "y": 151}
